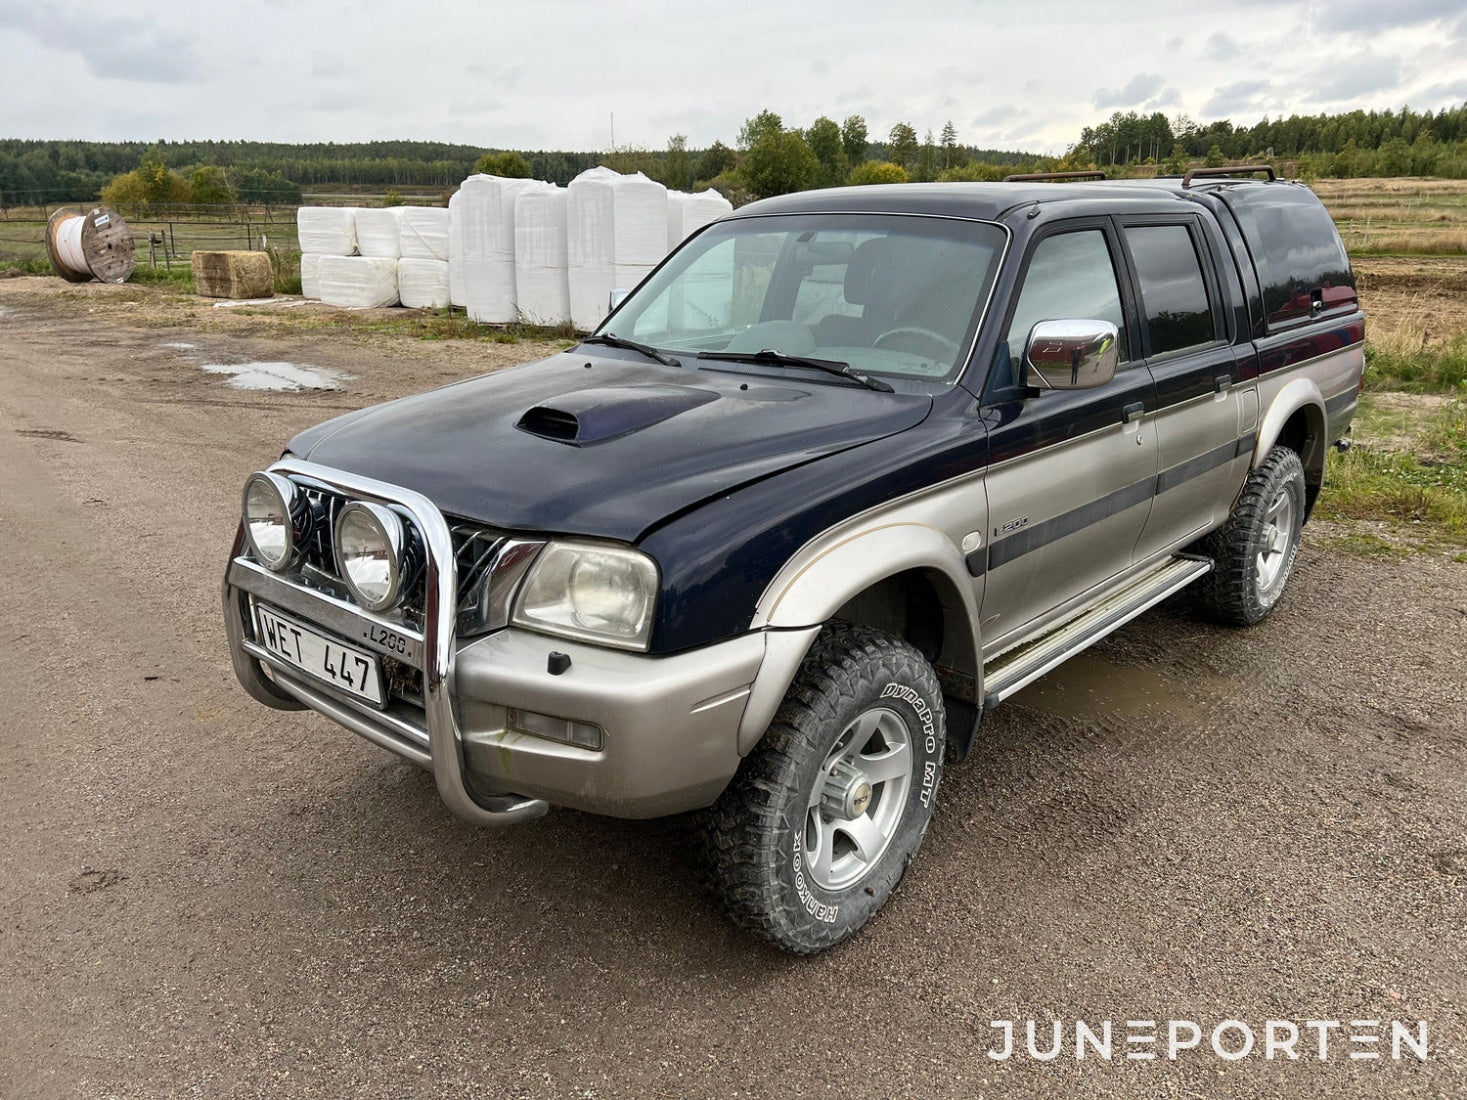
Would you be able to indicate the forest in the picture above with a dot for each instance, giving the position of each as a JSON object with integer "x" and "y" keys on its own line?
{"x": 766, "y": 157}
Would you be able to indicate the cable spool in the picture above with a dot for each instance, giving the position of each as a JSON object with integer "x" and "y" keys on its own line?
{"x": 91, "y": 246}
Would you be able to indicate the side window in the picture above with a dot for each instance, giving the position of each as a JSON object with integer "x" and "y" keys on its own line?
{"x": 1070, "y": 276}
{"x": 1173, "y": 292}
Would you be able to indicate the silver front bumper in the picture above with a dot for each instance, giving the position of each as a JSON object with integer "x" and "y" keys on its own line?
{"x": 675, "y": 728}
{"x": 442, "y": 752}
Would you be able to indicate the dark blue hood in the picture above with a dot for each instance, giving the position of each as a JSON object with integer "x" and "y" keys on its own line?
{"x": 607, "y": 450}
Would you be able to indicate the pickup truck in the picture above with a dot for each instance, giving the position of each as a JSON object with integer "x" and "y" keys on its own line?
{"x": 846, "y": 471}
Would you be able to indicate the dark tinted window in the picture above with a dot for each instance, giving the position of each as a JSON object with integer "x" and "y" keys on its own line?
{"x": 1300, "y": 260}
{"x": 1173, "y": 292}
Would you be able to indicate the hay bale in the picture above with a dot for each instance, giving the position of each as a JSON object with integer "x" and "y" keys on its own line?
{"x": 233, "y": 275}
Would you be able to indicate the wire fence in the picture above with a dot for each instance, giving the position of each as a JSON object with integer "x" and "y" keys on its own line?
{"x": 162, "y": 234}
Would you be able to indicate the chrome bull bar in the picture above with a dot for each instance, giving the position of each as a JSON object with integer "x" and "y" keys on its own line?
{"x": 444, "y": 754}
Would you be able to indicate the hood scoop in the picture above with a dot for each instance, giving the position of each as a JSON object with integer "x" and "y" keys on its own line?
{"x": 591, "y": 416}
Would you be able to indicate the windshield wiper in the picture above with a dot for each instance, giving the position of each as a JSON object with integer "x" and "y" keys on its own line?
{"x": 612, "y": 340}
{"x": 829, "y": 366}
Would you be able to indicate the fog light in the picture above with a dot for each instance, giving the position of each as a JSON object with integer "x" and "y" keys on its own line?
{"x": 581, "y": 734}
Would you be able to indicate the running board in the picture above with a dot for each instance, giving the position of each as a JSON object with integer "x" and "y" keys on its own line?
{"x": 1022, "y": 665}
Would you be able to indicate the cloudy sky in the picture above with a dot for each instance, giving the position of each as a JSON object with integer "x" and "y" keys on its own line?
{"x": 550, "y": 74}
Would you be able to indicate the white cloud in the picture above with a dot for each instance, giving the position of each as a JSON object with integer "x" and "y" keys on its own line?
{"x": 548, "y": 73}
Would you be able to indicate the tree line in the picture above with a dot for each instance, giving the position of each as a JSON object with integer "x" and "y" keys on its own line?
{"x": 1355, "y": 143}
{"x": 767, "y": 157}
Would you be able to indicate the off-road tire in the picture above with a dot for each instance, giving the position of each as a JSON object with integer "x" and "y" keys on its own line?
{"x": 754, "y": 840}
{"x": 1245, "y": 582}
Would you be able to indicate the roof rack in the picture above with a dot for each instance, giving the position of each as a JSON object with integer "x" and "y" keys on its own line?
{"x": 1031, "y": 177}
{"x": 1230, "y": 170}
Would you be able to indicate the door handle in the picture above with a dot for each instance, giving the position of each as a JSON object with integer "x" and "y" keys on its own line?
{"x": 1134, "y": 412}
{"x": 1222, "y": 383}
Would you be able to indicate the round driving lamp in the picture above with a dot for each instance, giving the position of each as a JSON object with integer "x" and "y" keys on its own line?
{"x": 272, "y": 512}
{"x": 369, "y": 544}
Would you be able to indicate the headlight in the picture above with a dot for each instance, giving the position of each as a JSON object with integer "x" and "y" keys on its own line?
{"x": 369, "y": 542}
{"x": 274, "y": 513}
{"x": 591, "y": 591}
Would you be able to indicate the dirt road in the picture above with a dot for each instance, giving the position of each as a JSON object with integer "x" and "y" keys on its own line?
{"x": 201, "y": 897}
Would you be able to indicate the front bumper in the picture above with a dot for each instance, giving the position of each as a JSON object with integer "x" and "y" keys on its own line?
{"x": 674, "y": 728}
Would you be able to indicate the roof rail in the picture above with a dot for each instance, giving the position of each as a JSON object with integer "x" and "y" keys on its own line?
{"x": 1229, "y": 170}
{"x": 1031, "y": 177}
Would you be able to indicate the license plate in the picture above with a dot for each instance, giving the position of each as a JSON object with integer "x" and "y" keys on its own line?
{"x": 346, "y": 668}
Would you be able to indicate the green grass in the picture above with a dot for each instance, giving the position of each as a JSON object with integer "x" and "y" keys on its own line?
{"x": 180, "y": 276}
{"x": 1415, "y": 484}
{"x": 1404, "y": 365}
{"x": 31, "y": 265}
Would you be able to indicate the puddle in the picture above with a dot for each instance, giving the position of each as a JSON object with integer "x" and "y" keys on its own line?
{"x": 180, "y": 345}
{"x": 1087, "y": 685}
{"x": 278, "y": 376}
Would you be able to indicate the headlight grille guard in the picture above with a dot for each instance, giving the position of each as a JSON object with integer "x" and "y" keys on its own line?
{"x": 440, "y": 613}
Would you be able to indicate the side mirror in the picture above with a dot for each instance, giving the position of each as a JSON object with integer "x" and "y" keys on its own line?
{"x": 1071, "y": 355}
{"x": 617, "y": 297}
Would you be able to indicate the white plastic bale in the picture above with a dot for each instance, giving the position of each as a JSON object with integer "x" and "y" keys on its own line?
{"x": 590, "y": 245}
{"x": 358, "y": 282}
{"x": 542, "y": 286}
{"x": 311, "y": 275}
{"x": 379, "y": 232}
{"x": 686, "y": 214}
{"x": 327, "y": 230}
{"x": 424, "y": 232}
{"x": 488, "y": 246}
{"x": 422, "y": 284}
{"x": 641, "y": 228}
{"x": 616, "y": 233}
{"x": 456, "y": 249}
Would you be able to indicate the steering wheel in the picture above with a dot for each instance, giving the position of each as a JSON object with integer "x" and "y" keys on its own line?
{"x": 949, "y": 345}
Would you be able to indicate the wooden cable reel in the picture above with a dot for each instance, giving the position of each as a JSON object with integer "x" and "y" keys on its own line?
{"x": 83, "y": 247}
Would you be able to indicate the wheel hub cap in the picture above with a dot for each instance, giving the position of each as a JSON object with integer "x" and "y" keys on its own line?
{"x": 858, "y": 799}
{"x": 847, "y": 791}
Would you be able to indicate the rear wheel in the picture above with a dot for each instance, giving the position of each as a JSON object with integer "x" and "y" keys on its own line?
{"x": 824, "y": 815}
{"x": 1254, "y": 552}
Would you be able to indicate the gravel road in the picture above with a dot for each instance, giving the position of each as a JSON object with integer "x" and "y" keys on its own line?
{"x": 202, "y": 897}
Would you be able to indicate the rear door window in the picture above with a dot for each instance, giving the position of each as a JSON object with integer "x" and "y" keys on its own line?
{"x": 1174, "y": 298}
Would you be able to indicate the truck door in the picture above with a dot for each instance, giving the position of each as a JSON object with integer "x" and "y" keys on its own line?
{"x": 1183, "y": 335}
{"x": 1072, "y": 472}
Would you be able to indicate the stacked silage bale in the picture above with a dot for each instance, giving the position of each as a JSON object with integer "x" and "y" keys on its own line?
{"x": 323, "y": 231}
{"x": 358, "y": 282}
{"x": 349, "y": 255}
{"x": 422, "y": 273}
{"x": 456, "y": 248}
{"x": 542, "y": 287}
{"x": 616, "y": 232}
{"x": 686, "y": 214}
{"x": 487, "y": 205}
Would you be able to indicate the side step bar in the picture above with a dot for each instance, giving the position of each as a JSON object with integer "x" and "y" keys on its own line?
{"x": 1022, "y": 665}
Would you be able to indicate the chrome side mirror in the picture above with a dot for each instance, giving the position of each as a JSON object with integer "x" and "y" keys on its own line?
{"x": 1071, "y": 355}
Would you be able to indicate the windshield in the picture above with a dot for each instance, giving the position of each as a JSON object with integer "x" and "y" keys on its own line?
{"x": 889, "y": 295}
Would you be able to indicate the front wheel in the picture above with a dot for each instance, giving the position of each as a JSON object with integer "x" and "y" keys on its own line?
{"x": 1254, "y": 552}
{"x": 819, "y": 824}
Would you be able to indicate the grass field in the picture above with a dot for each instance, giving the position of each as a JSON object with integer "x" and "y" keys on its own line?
{"x": 1394, "y": 217}
{"x": 1403, "y": 486}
